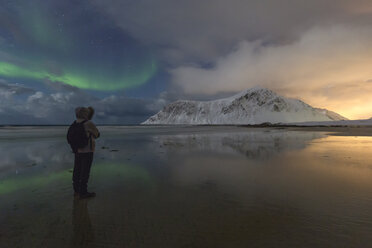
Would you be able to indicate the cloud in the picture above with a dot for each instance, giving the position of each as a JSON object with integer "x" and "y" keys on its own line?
{"x": 14, "y": 88}
{"x": 203, "y": 30}
{"x": 120, "y": 109}
{"x": 58, "y": 107}
{"x": 326, "y": 67}
{"x": 60, "y": 86}
{"x": 317, "y": 50}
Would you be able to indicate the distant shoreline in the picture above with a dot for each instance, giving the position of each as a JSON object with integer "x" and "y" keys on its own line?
{"x": 204, "y": 125}
{"x": 344, "y": 130}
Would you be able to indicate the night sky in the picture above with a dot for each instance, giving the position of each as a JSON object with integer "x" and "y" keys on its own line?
{"x": 130, "y": 58}
{"x": 71, "y": 43}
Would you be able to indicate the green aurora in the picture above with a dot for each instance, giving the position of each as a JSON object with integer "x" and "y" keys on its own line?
{"x": 82, "y": 81}
{"x": 47, "y": 41}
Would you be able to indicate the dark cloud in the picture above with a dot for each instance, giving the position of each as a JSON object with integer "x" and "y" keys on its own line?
{"x": 59, "y": 86}
{"x": 119, "y": 109}
{"x": 14, "y": 88}
{"x": 299, "y": 48}
{"x": 192, "y": 29}
{"x": 58, "y": 107}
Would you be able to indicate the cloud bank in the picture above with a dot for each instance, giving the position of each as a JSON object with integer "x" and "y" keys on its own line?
{"x": 22, "y": 105}
{"x": 318, "y": 51}
{"x": 329, "y": 66}
{"x": 206, "y": 29}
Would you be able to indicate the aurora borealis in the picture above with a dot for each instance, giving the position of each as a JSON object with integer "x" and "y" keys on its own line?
{"x": 83, "y": 81}
{"x": 47, "y": 41}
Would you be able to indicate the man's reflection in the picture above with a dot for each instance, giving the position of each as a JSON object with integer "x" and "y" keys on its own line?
{"x": 83, "y": 233}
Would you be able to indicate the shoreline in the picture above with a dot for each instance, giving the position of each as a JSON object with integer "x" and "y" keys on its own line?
{"x": 345, "y": 130}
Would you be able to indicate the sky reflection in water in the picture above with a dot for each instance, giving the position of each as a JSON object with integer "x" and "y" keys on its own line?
{"x": 201, "y": 186}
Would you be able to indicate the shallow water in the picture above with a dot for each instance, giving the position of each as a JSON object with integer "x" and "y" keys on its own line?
{"x": 188, "y": 187}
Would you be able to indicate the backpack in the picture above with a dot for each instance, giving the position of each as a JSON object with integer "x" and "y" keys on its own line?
{"x": 76, "y": 136}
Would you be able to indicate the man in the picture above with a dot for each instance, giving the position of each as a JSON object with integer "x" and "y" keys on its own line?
{"x": 84, "y": 155}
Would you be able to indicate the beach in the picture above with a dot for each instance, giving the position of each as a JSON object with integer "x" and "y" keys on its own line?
{"x": 189, "y": 186}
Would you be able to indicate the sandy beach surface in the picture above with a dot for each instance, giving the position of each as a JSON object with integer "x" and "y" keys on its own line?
{"x": 186, "y": 186}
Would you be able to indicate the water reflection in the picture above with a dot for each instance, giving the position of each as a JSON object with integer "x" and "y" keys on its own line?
{"x": 194, "y": 187}
{"x": 251, "y": 143}
{"x": 82, "y": 231}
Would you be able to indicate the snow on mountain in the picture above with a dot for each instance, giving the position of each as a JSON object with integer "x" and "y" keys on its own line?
{"x": 252, "y": 106}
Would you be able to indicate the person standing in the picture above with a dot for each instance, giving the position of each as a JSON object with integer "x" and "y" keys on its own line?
{"x": 83, "y": 147}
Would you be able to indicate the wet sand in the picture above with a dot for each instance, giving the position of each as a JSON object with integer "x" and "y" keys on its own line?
{"x": 339, "y": 131}
{"x": 190, "y": 187}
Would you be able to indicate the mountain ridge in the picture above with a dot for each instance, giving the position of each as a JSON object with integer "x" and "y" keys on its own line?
{"x": 252, "y": 106}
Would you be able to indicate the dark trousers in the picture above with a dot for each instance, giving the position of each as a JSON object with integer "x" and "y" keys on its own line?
{"x": 82, "y": 164}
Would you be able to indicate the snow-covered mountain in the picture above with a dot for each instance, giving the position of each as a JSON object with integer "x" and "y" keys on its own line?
{"x": 253, "y": 106}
